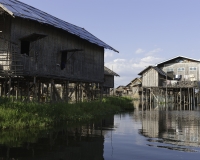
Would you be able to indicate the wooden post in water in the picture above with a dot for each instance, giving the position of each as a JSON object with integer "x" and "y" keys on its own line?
{"x": 180, "y": 95}
{"x": 194, "y": 97}
{"x": 184, "y": 99}
{"x": 142, "y": 100}
{"x": 146, "y": 97}
{"x": 150, "y": 98}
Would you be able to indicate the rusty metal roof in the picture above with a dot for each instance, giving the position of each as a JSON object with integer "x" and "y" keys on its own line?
{"x": 18, "y": 9}
{"x": 107, "y": 71}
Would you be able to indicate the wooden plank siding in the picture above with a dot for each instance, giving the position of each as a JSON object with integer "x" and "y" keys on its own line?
{"x": 4, "y": 40}
{"x": 185, "y": 69}
{"x": 150, "y": 78}
{"x": 45, "y": 54}
{"x": 108, "y": 81}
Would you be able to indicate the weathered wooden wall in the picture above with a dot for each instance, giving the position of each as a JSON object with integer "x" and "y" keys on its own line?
{"x": 4, "y": 40}
{"x": 150, "y": 78}
{"x": 135, "y": 92}
{"x": 108, "y": 81}
{"x": 45, "y": 53}
{"x": 184, "y": 68}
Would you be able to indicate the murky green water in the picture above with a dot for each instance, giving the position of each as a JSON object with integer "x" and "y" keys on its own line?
{"x": 156, "y": 134}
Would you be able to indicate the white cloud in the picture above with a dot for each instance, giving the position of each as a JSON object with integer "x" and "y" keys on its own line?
{"x": 154, "y": 51}
{"x": 108, "y": 53}
{"x": 150, "y": 59}
{"x": 139, "y": 51}
{"x": 119, "y": 60}
{"x": 128, "y": 69}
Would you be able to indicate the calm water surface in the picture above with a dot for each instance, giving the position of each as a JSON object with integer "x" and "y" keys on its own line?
{"x": 156, "y": 134}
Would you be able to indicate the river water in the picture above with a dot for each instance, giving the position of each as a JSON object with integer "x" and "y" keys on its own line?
{"x": 162, "y": 133}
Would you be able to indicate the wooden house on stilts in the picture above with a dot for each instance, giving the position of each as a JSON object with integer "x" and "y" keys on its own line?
{"x": 175, "y": 80}
{"x": 39, "y": 51}
{"x": 108, "y": 80}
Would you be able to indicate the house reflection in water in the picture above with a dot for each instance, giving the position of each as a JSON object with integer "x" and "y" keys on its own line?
{"x": 181, "y": 128}
{"x": 74, "y": 142}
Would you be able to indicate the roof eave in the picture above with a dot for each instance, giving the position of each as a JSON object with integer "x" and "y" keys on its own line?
{"x": 6, "y": 10}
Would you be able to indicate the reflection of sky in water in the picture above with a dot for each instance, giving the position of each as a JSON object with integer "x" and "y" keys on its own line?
{"x": 154, "y": 135}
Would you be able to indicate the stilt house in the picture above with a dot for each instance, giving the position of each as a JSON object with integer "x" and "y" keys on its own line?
{"x": 135, "y": 88}
{"x": 152, "y": 76}
{"x": 38, "y": 47}
{"x": 176, "y": 80}
{"x": 108, "y": 79}
{"x": 182, "y": 69}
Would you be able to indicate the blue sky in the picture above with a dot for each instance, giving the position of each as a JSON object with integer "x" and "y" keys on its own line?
{"x": 144, "y": 32}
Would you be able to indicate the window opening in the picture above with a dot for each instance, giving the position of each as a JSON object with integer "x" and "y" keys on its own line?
{"x": 181, "y": 69}
{"x": 170, "y": 69}
{"x": 193, "y": 68}
{"x": 63, "y": 60}
{"x": 64, "y": 56}
{"x": 25, "y": 41}
{"x": 25, "y": 47}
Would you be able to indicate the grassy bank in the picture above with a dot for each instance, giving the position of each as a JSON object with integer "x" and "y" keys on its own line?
{"x": 16, "y": 115}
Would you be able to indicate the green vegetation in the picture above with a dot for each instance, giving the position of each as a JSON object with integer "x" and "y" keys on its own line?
{"x": 16, "y": 115}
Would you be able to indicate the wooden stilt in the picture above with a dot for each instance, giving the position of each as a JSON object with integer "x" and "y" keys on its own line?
{"x": 194, "y": 104}
{"x": 17, "y": 88}
{"x": 180, "y": 96}
{"x": 189, "y": 102}
{"x": 51, "y": 91}
{"x": 39, "y": 91}
{"x": 34, "y": 89}
{"x": 47, "y": 94}
{"x": 67, "y": 91}
{"x": 76, "y": 93}
{"x": 62, "y": 86}
{"x": 150, "y": 98}
{"x": 81, "y": 92}
{"x": 28, "y": 93}
{"x": 1, "y": 90}
{"x": 9, "y": 88}
{"x": 142, "y": 100}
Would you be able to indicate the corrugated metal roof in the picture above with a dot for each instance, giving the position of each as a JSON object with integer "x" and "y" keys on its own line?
{"x": 107, "y": 71}
{"x": 177, "y": 58}
{"x": 154, "y": 67}
{"x": 22, "y": 10}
